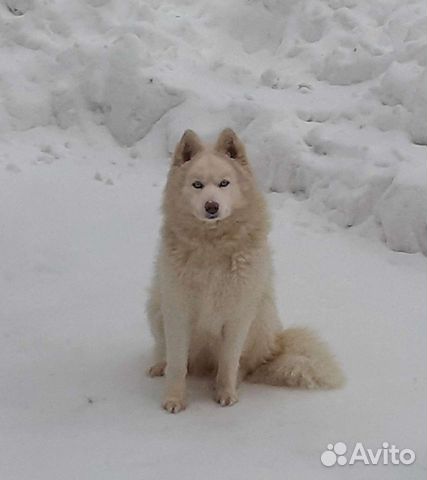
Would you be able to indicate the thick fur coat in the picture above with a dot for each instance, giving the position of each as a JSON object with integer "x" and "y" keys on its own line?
{"x": 212, "y": 308}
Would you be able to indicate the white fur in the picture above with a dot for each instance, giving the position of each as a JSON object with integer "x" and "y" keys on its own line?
{"x": 211, "y": 307}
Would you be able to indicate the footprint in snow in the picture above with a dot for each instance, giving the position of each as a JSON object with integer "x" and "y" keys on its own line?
{"x": 107, "y": 181}
{"x": 11, "y": 167}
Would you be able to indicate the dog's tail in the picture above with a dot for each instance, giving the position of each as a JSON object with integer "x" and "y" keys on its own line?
{"x": 302, "y": 360}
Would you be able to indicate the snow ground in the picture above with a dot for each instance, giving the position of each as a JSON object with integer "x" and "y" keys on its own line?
{"x": 93, "y": 97}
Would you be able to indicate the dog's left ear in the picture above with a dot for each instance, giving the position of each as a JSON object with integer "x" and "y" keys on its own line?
{"x": 228, "y": 143}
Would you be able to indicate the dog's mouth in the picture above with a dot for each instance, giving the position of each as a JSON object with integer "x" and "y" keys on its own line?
{"x": 211, "y": 216}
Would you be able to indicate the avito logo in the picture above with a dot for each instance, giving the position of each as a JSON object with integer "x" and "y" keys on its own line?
{"x": 339, "y": 454}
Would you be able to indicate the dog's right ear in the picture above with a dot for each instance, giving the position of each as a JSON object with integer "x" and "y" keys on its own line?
{"x": 229, "y": 144}
{"x": 188, "y": 146}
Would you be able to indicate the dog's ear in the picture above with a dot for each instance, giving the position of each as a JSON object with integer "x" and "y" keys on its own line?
{"x": 188, "y": 146}
{"x": 228, "y": 143}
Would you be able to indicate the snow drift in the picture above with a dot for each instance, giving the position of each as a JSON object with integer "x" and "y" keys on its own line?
{"x": 329, "y": 95}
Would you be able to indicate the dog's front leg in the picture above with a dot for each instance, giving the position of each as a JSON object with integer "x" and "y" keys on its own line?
{"x": 234, "y": 334}
{"x": 177, "y": 333}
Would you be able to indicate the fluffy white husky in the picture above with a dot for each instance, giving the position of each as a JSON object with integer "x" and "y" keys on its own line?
{"x": 211, "y": 307}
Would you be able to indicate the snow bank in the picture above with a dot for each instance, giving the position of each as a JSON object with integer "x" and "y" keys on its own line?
{"x": 329, "y": 95}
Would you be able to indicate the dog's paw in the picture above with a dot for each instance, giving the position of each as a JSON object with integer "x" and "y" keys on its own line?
{"x": 226, "y": 398}
{"x": 157, "y": 370}
{"x": 174, "y": 405}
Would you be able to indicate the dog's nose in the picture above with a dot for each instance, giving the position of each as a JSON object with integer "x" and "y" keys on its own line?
{"x": 211, "y": 207}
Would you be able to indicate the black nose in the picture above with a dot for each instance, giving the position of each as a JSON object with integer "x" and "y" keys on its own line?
{"x": 211, "y": 207}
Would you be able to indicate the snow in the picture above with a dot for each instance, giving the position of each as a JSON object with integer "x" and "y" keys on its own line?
{"x": 330, "y": 99}
{"x": 320, "y": 90}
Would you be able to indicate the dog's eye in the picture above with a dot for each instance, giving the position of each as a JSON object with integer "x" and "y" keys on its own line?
{"x": 197, "y": 184}
{"x": 223, "y": 183}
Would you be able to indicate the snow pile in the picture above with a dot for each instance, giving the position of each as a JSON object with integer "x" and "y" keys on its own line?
{"x": 329, "y": 95}
{"x": 75, "y": 65}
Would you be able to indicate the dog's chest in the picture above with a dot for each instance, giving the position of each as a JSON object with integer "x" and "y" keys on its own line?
{"x": 215, "y": 272}
{"x": 211, "y": 280}
{"x": 213, "y": 294}
{"x": 213, "y": 283}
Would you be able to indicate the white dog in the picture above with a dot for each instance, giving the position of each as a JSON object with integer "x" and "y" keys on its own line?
{"x": 212, "y": 308}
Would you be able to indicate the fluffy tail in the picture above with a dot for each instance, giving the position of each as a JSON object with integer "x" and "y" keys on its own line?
{"x": 303, "y": 361}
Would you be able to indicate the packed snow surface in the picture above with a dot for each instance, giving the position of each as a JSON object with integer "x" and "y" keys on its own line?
{"x": 330, "y": 98}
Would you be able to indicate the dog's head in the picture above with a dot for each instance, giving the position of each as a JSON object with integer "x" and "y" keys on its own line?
{"x": 209, "y": 183}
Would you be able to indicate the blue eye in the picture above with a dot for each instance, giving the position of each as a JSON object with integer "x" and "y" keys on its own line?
{"x": 197, "y": 184}
{"x": 223, "y": 183}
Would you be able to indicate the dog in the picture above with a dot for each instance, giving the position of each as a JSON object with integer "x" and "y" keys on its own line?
{"x": 211, "y": 305}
